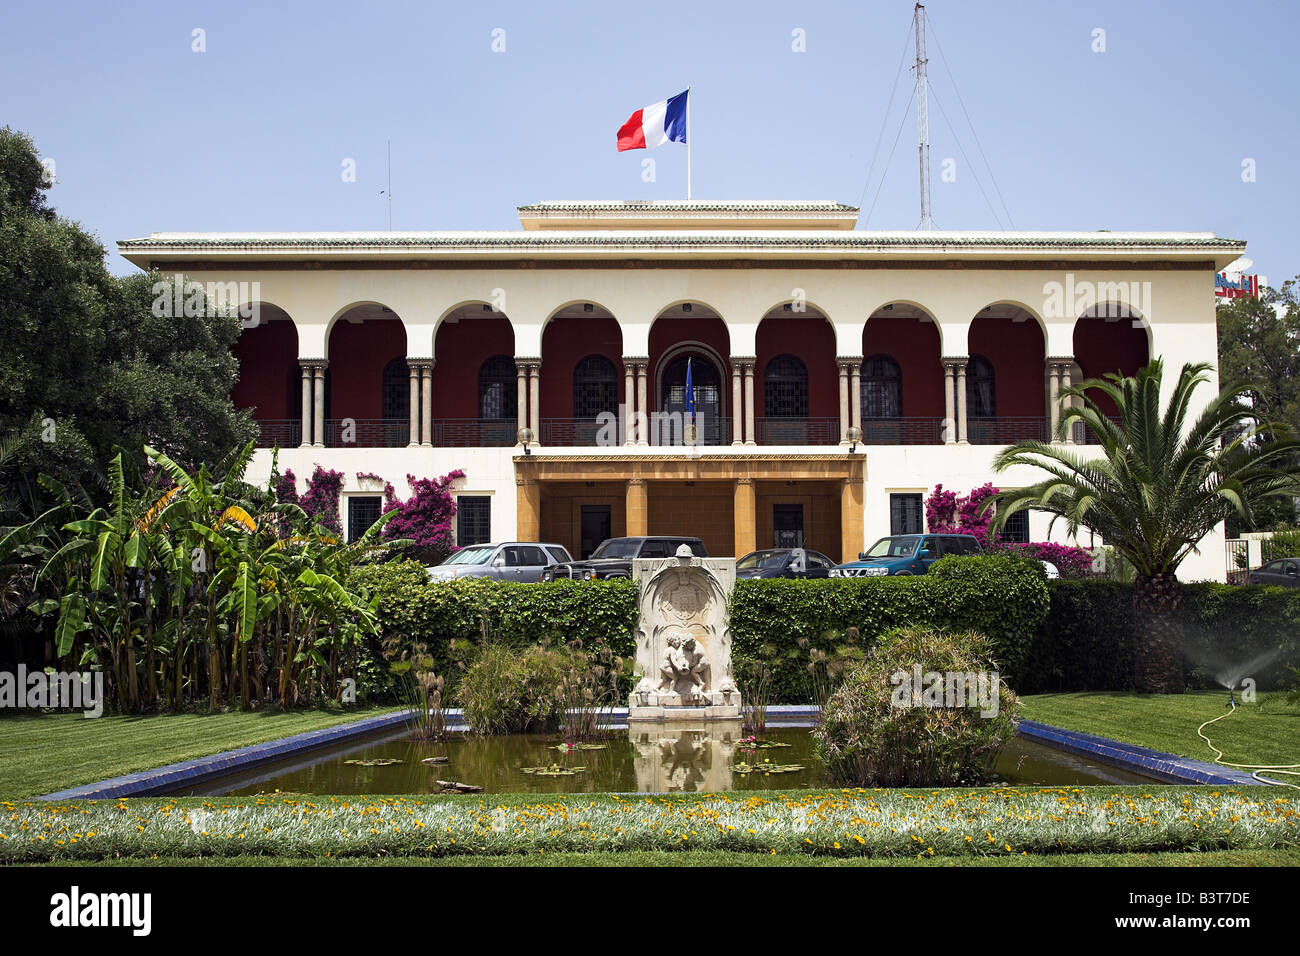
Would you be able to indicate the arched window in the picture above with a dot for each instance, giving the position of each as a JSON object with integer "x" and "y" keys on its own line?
{"x": 785, "y": 388}
{"x": 981, "y": 389}
{"x": 397, "y": 390}
{"x": 595, "y": 387}
{"x": 497, "y": 395}
{"x": 882, "y": 388}
{"x": 707, "y": 385}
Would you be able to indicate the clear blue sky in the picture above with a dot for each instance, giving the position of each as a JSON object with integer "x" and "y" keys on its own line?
{"x": 147, "y": 135}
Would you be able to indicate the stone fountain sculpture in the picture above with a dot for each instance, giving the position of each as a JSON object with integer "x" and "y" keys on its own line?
{"x": 683, "y": 639}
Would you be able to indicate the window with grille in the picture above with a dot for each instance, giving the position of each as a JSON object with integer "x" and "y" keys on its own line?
{"x": 785, "y": 388}
{"x": 363, "y": 511}
{"x": 1016, "y": 530}
{"x": 595, "y": 387}
{"x": 981, "y": 391}
{"x": 882, "y": 388}
{"x": 473, "y": 520}
{"x": 397, "y": 391}
{"x": 905, "y": 514}
{"x": 497, "y": 393}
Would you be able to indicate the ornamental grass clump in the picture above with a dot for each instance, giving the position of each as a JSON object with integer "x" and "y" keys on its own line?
{"x": 508, "y": 691}
{"x": 926, "y": 708}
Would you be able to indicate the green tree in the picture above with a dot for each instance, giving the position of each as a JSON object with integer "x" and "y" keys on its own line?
{"x": 88, "y": 367}
{"x": 1161, "y": 482}
{"x": 1259, "y": 342}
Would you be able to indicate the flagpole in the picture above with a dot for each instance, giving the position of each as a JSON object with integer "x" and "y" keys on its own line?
{"x": 688, "y": 142}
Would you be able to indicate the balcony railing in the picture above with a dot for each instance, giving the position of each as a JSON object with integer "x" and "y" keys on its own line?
{"x": 474, "y": 432}
{"x": 1083, "y": 435}
{"x": 797, "y": 431}
{"x": 571, "y": 432}
{"x": 285, "y": 432}
{"x": 367, "y": 433}
{"x": 902, "y": 431}
{"x": 1005, "y": 431}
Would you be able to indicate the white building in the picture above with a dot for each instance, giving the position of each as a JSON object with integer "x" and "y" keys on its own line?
{"x": 395, "y": 354}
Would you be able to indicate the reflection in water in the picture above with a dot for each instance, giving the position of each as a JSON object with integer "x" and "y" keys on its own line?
{"x": 669, "y": 759}
{"x": 646, "y": 758}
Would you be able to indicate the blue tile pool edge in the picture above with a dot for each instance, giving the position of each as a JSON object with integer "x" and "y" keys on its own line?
{"x": 1169, "y": 768}
{"x": 1163, "y": 766}
{"x": 160, "y": 780}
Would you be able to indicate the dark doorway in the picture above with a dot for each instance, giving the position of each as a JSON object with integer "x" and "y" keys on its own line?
{"x": 787, "y": 524}
{"x": 595, "y": 528}
{"x": 707, "y": 385}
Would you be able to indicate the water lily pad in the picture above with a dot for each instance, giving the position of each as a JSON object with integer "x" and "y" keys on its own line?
{"x": 569, "y": 748}
{"x": 554, "y": 770}
{"x": 766, "y": 768}
{"x": 435, "y": 761}
{"x": 374, "y": 761}
{"x": 757, "y": 743}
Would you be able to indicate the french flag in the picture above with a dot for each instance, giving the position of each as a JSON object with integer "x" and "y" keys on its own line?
{"x": 655, "y": 125}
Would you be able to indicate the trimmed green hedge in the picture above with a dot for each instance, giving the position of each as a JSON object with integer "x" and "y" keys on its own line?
{"x": 1002, "y": 596}
{"x": 413, "y": 608}
{"x": 1088, "y": 640}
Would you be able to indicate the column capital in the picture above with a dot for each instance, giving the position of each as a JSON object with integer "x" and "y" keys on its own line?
{"x": 744, "y": 361}
{"x": 849, "y": 359}
{"x": 953, "y": 361}
{"x": 314, "y": 362}
{"x": 418, "y": 364}
{"x": 636, "y": 482}
{"x": 1060, "y": 360}
{"x": 528, "y": 361}
{"x": 744, "y": 481}
{"x": 635, "y": 361}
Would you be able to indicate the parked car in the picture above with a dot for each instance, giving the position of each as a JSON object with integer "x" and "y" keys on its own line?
{"x": 614, "y": 557}
{"x": 784, "y": 563}
{"x": 905, "y": 554}
{"x": 506, "y": 561}
{"x": 1284, "y": 572}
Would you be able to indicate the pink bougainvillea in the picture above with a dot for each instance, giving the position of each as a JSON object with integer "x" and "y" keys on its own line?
{"x": 1072, "y": 562}
{"x": 425, "y": 517}
{"x": 321, "y": 500}
{"x": 286, "y": 487}
{"x": 945, "y": 512}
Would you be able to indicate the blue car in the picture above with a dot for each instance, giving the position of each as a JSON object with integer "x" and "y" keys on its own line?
{"x": 906, "y": 554}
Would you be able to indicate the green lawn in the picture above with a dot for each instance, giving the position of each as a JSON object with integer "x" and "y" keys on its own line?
{"x": 42, "y": 753}
{"x": 1266, "y": 732}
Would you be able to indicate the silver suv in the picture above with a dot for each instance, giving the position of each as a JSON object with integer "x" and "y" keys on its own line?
{"x": 506, "y": 561}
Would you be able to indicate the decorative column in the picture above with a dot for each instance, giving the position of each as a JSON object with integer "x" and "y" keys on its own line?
{"x": 629, "y": 402}
{"x": 855, "y": 392}
{"x": 521, "y": 395}
{"x": 1062, "y": 368}
{"x": 426, "y": 404}
{"x": 962, "y": 437}
{"x": 845, "y": 423}
{"x": 305, "y": 438}
{"x": 642, "y": 408}
{"x": 851, "y": 527}
{"x": 638, "y": 512}
{"x": 749, "y": 401}
{"x": 534, "y": 366}
{"x": 737, "y": 406}
{"x": 318, "y": 403}
{"x": 1067, "y": 381}
{"x": 1053, "y": 397}
{"x": 949, "y": 409}
{"x": 528, "y": 502}
{"x": 746, "y": 517}
{"x": 414, "y": 419}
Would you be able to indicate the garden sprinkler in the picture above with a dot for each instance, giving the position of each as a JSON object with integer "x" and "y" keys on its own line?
{"x": 1231, "y": 701}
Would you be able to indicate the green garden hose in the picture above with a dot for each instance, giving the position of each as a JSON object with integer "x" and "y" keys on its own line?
{"x": 1290, "y": 769}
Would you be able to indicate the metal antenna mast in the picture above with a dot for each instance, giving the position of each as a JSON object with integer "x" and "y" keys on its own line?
{"x": 922, "y": 115}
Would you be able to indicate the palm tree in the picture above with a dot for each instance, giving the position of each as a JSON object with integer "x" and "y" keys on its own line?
{"x": 1160, "y": 484}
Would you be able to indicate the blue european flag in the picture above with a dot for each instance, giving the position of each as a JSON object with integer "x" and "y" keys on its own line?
{"x": 690, "y": 393}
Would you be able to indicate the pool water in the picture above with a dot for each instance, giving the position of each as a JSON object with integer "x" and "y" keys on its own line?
{"x": 639, "y": 759}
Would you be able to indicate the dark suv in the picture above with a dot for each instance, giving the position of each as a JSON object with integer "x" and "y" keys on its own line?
{"x": 905, "y": 554}
{"x": 613, "y": 559}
